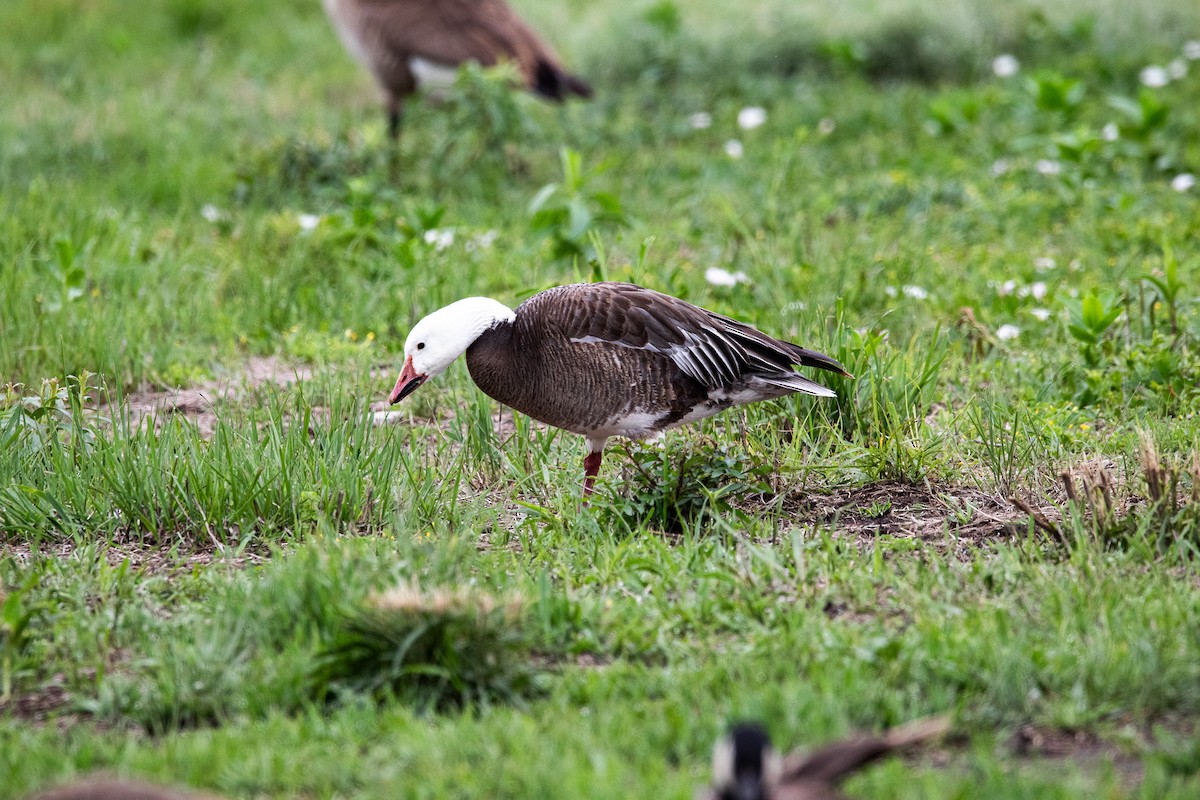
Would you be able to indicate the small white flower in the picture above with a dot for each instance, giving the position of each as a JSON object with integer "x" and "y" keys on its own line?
{"x": 751, "y": 117}
{"x": 890, "y": 291}
{"x": 482, "y": 241}
{"x": 1042, "y": 264}
{"x": 734, "y": 149}
{"x": 1006, "y": 288}
{"x": 1177, "y": 69}
{"x": 1040, "y": 314}
{"x": 1006, "y": 65}
{"x": 999, "y": 167}
{"x": 723, "y": 277}
{"x": 210, "y": 212}
{"x": 1006, "y": 332}
{"x": 1183, "y": 181}
{"x": 915, "y": 292}
{"x": 1047, "y": 166}
{"x": 1191, "y": 50}
{"x": 1154, "y": 76}
{"x": 1038, "y": 290}
{"x": 308, "y": 221}
{"x": 826, "y": 126}
{"x": 1110, "y": 132}
{"x": 700, "y": 120}
{"x": 440, "y": 238}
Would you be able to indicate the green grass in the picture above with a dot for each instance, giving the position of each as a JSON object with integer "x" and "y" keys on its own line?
{"x": 188, "y": 599}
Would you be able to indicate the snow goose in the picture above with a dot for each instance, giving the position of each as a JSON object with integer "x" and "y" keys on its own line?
{"x": 405, "y": 43}
{"x": 607, "y": 359}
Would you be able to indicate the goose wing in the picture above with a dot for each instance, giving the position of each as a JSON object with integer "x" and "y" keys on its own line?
{"x": 712, "y": 349}
{"x": 454, "y": 31}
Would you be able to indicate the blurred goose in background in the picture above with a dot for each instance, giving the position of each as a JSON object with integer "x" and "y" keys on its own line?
{"x": 607, "y": 359}
{"x": 747, "y": 767}
{"x": 111, "y": 789}
{"x": 409, "y": 42}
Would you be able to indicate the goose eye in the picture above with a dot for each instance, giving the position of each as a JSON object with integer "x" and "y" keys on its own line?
{"x": 420, "y": 345}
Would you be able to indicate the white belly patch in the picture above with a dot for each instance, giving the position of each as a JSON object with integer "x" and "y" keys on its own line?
{"x": 431, "y": 75}
{"x": 641, "y": 424}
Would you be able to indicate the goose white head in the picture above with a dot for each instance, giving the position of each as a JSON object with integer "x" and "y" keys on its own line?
{"x": 443, "y": 336}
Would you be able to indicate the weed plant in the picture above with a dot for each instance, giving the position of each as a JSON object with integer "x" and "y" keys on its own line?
{"x": 679, "y": 485}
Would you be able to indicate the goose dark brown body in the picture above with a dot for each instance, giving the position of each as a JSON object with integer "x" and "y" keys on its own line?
{"x": 812, "y": 776}
{"x": 603, "y": 360}
{"x": 610, "y": 359}
{"x": 386, "y": 35}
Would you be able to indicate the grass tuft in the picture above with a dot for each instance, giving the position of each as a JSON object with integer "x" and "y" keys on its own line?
{"x": 437, "y": 649}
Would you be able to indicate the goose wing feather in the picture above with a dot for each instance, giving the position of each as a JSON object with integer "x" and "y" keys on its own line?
{"x": 454, "y": 31}
{"x": 714, "y": 350}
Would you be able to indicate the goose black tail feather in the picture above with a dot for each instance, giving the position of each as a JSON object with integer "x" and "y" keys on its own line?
{"x": 554, "y": 83}
{"x": 811, "y": 358}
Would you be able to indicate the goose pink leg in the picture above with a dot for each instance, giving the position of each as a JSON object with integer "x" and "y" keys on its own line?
{"x": 591, "y": 468}
{"x": 591, "y": 464}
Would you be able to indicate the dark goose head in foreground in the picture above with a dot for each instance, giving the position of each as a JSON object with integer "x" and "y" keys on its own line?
{"x": 744, "y": 764}
{"x": 607, "y": 359}
{"x": 747, "y": 767}
{"x": 409, "y": 42}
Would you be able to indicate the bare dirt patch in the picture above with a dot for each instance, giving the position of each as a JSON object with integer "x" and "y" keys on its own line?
{"x": 927, "y": 512}
{"x": 39, "y": 704}
{"x": 201, "y": 404}
{"x": 1084, "y": 749}
{"x": 147, "y": 558}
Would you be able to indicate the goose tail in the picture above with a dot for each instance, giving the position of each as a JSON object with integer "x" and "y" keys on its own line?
{"x": 554, "y": 83}
{"x": 811, "y": 358}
